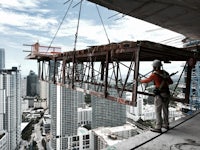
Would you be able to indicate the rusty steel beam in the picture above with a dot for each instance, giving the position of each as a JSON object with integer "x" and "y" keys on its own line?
{"x": 106, "y": 74}
{"x": 54, "y": 70}
{"x": 42, "y": 72}
{"x": 63, "y": 71}
{"x": 123, "y": 52}
{"x": 102, "y": 70}
{"x": 135, "y": 78}
{"x": 188, "y": 84}
{"x": 127, "y": 76}
{"x": 92, "y": 69}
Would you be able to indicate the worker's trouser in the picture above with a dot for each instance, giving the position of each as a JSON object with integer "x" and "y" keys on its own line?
{"x": 161, "y": 103}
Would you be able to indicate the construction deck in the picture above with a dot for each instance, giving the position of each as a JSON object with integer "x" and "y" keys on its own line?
{"x": 184, "y": 134}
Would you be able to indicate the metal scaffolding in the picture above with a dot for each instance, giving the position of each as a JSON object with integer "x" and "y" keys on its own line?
{"x": 195, "y": 86}
{"x": 115, "y": 65}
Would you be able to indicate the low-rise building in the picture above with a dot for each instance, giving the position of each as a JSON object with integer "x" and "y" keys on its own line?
{"x": 103, "y": 137}
{"x": 84, "y": 116}
{"x": 46, "y": 124}
{"x": 40, "y": 103}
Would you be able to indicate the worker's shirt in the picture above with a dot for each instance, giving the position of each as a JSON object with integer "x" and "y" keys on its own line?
{"x": 157, "y": 77}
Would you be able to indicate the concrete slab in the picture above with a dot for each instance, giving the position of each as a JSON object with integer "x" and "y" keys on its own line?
{"x": 184, "y": 134}
{"x": 181, "y": 16}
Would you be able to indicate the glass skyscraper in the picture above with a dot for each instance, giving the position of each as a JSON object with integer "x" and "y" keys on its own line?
{"x": 32, "y": 84}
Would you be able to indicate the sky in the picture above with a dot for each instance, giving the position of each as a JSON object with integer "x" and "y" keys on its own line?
{"x": 30, "y": 21}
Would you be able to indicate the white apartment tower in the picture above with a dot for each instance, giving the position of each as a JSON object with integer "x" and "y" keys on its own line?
{"x": 64, "y": 112}
{"x": 10, "y": 83}
{"x": 106, "y": 113}
{"x": 63, "y": 115}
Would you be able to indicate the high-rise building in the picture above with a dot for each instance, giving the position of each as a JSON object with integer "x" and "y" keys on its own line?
{"x": 10, "y": 104}
{"x": 32, "y": 84}
{"x": 2, "y": 58}
{"x": 106, "y": 113}
{"x": 64, "y": 104}
{"x": 63, "y": 110}
{"x": 23, "y": 87}
{"x": 63, "y": 115}
{"x": 43, "y": 89}
{"x": 51, "y": 87}
{"x": 2, "y": 103}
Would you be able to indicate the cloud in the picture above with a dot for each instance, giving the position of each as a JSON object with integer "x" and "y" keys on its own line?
{"x": 26, "y": 21}
{"x": 29, "y": 21}
{"x": 20, "y": 4}
{"x": 89, "y": 32}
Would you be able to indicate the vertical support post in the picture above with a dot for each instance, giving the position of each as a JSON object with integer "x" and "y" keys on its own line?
{"x": 39, "y": 69}
{"x": 188, "y": 84}
{"x": 49, "y": 70}
{"x": 92, "y": 70}
{"x": 117, "y": 74}
{"x": 106, "y": 75}
{"x": 127, "y": 76}
{"x": 54, "y": 70}
{"x": 102, "y": 70}
{"x": 42, "y": 73}
{"x": 135, "y": 76}
{"x": 63, "y": 71}
{"x": 73, "y": 69}
{"x": 117, "y": 78}
{"x": 68, "y": 72}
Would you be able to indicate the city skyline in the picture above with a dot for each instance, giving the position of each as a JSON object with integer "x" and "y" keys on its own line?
{"x": 37, "y": 21}
{"x": 58, "y": 111}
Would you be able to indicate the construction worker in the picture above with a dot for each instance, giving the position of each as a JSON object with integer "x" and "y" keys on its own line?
{"x": 161, "y": 80}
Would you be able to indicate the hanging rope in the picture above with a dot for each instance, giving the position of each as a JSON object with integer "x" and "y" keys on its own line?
{"x": 77, "y": 29}
{"x": 60, "y": 25}
{"x": 102, "y": 24}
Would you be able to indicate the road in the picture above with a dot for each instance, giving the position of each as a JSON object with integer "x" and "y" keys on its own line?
{"x": 37, "y": 135}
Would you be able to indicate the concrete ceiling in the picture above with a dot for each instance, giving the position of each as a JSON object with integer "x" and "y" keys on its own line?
{"x": 182, "y": 16}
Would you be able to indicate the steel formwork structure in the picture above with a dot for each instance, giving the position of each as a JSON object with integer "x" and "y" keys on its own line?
{"x": 105, "y": 67}
{"x": 195, "y": 84}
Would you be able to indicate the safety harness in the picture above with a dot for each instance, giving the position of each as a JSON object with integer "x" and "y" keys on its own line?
{"x": 159, "y": 90}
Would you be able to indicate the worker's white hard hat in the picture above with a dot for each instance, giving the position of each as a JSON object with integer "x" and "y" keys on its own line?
{"x": 157, "y": 63}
